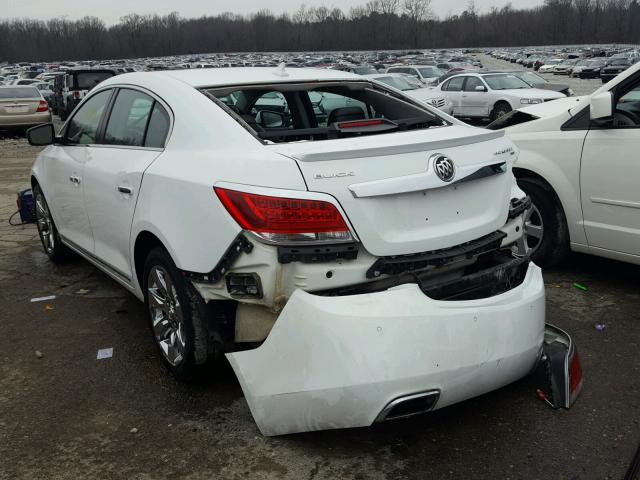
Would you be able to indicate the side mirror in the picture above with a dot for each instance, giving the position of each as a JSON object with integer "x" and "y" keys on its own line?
{"x": 481, "y": 88}
{"x": 270, "y": 119}
{"x": 41, "y": 135}
{"x": 601, "y": 106}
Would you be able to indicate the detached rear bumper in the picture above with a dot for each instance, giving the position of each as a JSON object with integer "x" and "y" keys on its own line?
{"x": 337, "y": 362}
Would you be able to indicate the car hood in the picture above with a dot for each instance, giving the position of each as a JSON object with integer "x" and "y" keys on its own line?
{"x": 531, "y": 93}
{"x": 548, "y": 109}
{"x": 424, "y": 93}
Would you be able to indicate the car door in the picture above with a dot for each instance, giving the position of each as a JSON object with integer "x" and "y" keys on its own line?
{"x": 474, "y": 103}
{"x": 133, "y": 137}
{"x": 609, "y": 177}
{"x": 452, "y": 89}
{"x": 64, "y": 171}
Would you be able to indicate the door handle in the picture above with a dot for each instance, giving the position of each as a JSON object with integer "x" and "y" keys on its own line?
{"x": 125, "y": 190}
{"x": 74, "y": 179}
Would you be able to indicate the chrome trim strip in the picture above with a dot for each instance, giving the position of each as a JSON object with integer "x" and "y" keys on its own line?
{"x": 617, "y": 203}
{"x": 95, "y": 260}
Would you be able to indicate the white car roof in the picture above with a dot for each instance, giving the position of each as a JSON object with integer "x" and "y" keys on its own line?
{"x": 214, "y": 77}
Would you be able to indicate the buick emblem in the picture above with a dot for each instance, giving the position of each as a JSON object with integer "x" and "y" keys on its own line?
{"x": 444, "y": 167}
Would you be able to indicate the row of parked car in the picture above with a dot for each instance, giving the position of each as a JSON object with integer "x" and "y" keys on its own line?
{"x": 601, "y": 63}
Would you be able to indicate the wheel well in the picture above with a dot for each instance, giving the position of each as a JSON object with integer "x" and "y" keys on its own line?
{"x": 541, "y": 182}
{"x": 145, "y": 242}
{"x": 502, "y": 102}
{"x": 34, "y": 182}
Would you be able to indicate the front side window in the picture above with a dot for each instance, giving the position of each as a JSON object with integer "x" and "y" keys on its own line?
{"x": 83, "y": 126}
{"x": 129, "y": 117}
{"x": 455, "y": 84}
{"x": 472, "y": 83}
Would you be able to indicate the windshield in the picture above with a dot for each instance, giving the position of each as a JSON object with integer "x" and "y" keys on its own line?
{"x": 397, "y": 82}
{"x": 504, "y": 82}
{"x": 530, "y": 78}
{"x": 19, "y": 92}
{"x": 429, "y": 72}
{"x": 364, "y": 70}
{"x": 619, "y": 61}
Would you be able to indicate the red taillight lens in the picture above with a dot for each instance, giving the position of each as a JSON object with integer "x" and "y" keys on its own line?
{"x": 360, "y": 123}
{"x": 76, "y": 94}
{"x": 575, "y": 376}
{"x": 282, "y": 219}
{"x": 43, "y": 106}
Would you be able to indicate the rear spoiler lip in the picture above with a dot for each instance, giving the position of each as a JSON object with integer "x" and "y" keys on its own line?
{"x": 398, "y": 149}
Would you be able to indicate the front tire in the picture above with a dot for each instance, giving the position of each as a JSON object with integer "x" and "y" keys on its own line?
{"x": 499, "y": 110}
{"x": 47, "y": 230}
{"x": 545, "y": 235}
{"x": 177, "y": 316}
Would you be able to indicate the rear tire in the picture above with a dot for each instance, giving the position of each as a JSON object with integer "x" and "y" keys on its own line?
{"x": 499, "y": 110}
{"x": 178, "y": 317}
{"x": 554, "y": 245}
{"x": 47, "y": 230}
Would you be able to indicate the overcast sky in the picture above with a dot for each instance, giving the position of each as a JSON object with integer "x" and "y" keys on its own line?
{"x": 111, "y": 10}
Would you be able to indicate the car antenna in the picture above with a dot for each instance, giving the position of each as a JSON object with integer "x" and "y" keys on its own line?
{"x": 280, "y": 71}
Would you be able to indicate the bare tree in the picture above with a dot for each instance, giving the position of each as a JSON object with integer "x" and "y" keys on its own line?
{"x": 417, "y": 11}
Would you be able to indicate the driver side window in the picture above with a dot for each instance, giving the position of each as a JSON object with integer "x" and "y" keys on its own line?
{"x": 83, "y": 126}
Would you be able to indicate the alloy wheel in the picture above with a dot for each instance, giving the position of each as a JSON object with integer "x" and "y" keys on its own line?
{"x": 166, "y": 315}
{"x": 45, "y": 224}
{"x": 533, "y": 230}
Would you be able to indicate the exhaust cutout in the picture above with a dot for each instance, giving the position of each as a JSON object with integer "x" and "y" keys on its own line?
{"x": 408, "y": 406}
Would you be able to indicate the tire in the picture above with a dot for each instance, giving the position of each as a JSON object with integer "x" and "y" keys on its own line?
{"x": 181, "y": 331}
{"x": 554, "y": 245}
{"x": 500, "y": 109}
{"x": 49, "y": 236}
{"x": 62, "y": 113}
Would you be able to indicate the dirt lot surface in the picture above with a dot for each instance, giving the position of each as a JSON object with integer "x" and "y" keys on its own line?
{"x": 67, "y": 415}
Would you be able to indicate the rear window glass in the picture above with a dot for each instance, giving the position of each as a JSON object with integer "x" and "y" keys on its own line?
{"x": 19, "y": 92}
{"x": 323, "y": 110}
{"x": 88, "y": 80}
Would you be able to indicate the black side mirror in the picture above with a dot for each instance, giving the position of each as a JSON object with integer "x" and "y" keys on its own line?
{"x": 41, "y": 135}
{"x": 270, "y": 119}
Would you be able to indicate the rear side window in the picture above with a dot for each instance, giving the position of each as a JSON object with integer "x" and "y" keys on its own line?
{"x": 158, "y": 127}
{"x": 129, "y": 118}
{"x": 88, "y": 80}
{"x": 83, "y": 126}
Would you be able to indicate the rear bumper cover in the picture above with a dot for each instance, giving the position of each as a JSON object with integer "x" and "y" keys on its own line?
{"x": 336, "y": 362}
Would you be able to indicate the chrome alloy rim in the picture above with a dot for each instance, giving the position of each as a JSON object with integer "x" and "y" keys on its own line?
{"x": 166, "y": 315}
{"x": 45, "y": 224}
{"x": 532, "y": 234}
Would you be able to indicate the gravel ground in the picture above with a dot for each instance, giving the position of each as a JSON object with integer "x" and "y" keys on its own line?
{"x": 67, "y": 415}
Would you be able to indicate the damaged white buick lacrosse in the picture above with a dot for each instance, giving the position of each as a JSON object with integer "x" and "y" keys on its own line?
{"x": 355, "y": 254}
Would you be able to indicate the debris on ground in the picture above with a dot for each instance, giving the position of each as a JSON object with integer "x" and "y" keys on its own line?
{"x": 104, "y": 353}
{"x": 599, "y": 326}
{"x": 580, "y": 286}
{"x": 38, "y": 354}
{"x": 48, "y": 308}
{"x": 133, "y": 430}
{"x": 43, "y": 299}
{"x": 82, "y": 291}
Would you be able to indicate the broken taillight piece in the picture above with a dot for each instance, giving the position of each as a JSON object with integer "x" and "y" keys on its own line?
{"x": 283, "y": 219}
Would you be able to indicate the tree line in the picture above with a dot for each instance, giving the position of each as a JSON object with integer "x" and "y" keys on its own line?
{"x": 376, "y": 25}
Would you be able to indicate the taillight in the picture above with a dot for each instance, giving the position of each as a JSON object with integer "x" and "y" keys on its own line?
{"x": 575, "y": 375}
{"x": 43, "y": 106}
{"x": 76, "y": 94}
{"x": 360, "y": 123}
{"x": 283, "y": 219}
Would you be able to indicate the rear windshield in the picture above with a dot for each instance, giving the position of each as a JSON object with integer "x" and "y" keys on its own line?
{"x": 19, "y": 92}
{"x": 322, "y": 110}
{"x": 88, "y": 80}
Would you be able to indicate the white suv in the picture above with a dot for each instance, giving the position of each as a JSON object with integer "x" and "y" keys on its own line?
{"x": 354, "y": 264}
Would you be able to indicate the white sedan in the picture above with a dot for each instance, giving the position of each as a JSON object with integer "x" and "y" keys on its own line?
{"x": 491, "y": 95}
{"x": 579, "y": 164}
{"x": 354, "y": 267}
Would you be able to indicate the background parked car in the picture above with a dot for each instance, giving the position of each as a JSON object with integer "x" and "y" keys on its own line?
{"x": 427, "y": 74}
{"x": 616, "y": 66}
{"x": 536, "y": 81}
{"x": 592, "y": 69}
{"x": 22, "y": 106}
{"x": 70, "y": 88}
{"x": 430, "y": 96}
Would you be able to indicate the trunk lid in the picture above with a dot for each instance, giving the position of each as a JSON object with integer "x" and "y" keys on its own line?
{"x": 19, "y": 106}
{"x": 392, "y": 195}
